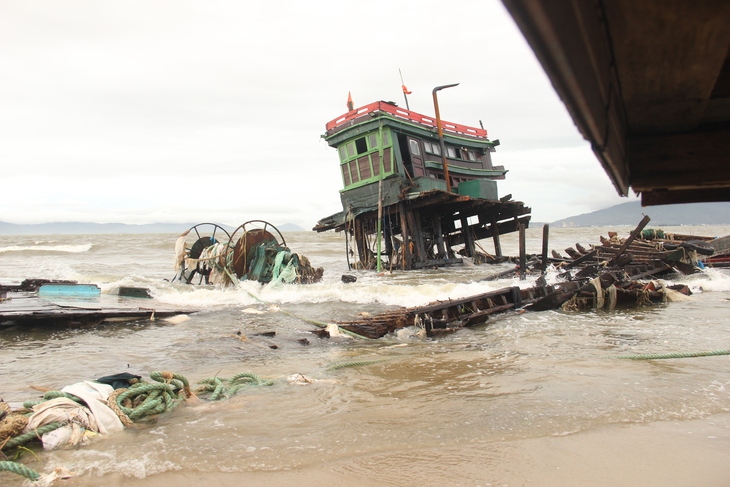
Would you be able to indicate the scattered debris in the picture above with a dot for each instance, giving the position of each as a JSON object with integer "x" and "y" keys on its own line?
{"x": 73, "y": 415}
{"x": 607, "y": 276}
{"x": 645, "y": 253}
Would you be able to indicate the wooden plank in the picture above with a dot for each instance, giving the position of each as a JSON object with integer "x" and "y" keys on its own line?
{"x": 23, "y": 307}
{"x": 634, "y": 234}
{"x": 582, "y": 259}
{"x": 668, "y": 197}
{"x": 483, "y": 315}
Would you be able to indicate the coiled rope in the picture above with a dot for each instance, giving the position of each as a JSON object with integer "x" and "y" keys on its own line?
{"x": 136, "y": 403}
{"x": 661, "y": 356}
{"x": 145, "y": 399}
{"x": 19, "y": 469}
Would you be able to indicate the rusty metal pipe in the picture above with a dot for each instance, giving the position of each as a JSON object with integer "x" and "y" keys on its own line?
{"x": 441, "y": 132}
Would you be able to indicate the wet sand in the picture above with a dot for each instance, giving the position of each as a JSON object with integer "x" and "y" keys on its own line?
{"x": 666, "y": 453}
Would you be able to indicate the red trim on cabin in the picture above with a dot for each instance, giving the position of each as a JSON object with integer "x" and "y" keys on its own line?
{"x": 407, "y": 115}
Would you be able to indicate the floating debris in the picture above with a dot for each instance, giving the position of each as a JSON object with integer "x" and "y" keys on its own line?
{"x": 26, "y": 307}
{"x": 608, "y": 276}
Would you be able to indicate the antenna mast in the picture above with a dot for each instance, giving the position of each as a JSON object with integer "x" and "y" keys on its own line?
{"x": 405, "y": 90}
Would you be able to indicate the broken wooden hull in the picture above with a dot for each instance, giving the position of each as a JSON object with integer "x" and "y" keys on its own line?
{"x": 440, "y": 316}
{"x": 27, "y": 308}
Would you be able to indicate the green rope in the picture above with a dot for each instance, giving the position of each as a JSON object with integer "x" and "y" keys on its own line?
{"x": 178, "y": 381}
{"x": 31, "y": 435}
{"x": 660, "y": 356}
{"x": 219, "y": 387}
{"x": 355, "y": 364}
{"x": 156, "y": 398}
{"x": 214, "y": 385}
{"x": 52, "y": 395}
{"x": 19, "y": 469}
{"x": 250, "y": 378}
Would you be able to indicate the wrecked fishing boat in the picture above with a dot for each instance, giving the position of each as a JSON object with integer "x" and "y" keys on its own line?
{"x": 256, "y": 250}
{"x": 606, "y": 291}
{"x": 417, "y": 192}
{"x": 615, "y": 274}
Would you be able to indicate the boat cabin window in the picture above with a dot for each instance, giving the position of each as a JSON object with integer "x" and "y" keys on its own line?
{"x": 350, "y": 149}
{"x": 432, "y": 148}
{"x": 373, "y": 141}
{"x": 343, "y": 153}
{"x": 451, "y": 152}
{"x": 472, "y": 156}
{"x": 361, "y": 145}
{"x": 415, "y": 150}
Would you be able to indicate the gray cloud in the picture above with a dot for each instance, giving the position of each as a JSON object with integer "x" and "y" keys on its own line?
{"x": 148, "y": 111}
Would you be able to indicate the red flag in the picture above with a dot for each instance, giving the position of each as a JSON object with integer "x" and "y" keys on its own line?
{"x": 350, "y": 106}
{"x": 405, "y": 90}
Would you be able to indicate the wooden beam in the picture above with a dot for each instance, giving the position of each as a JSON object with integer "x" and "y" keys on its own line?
{"x": 669, "y": 197}
{"x": 681, "y": 161}
{"x": 627, "y": 243}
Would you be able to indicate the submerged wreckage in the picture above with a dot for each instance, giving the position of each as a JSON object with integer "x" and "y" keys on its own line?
{"x": 256, "y": 250}
{"x": 418, "y": 192}
{"x": 617, "y": 273}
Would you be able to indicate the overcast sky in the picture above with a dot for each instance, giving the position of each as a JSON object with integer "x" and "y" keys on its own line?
{"x": 212, "y": 111}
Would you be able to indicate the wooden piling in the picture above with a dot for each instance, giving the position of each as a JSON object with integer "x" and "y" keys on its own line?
{"x": 545, "y": 233}
{"x": 523, "y": 257}
{"x": 495, "y": 237}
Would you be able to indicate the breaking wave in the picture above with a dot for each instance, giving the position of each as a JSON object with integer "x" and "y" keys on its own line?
{"x": 70, "y": 249}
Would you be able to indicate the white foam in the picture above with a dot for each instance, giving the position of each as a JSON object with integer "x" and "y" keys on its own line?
{"x": 73, "y": 249}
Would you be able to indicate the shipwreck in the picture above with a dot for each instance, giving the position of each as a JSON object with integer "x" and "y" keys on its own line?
{"x": 613, "y": 274}
{"x": 418, "y": 192}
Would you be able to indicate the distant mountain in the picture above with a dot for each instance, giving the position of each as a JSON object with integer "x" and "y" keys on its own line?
{"x": 80, "y": 228}
{"x": 668, "y": 215}
{"x": 290, "y": 227}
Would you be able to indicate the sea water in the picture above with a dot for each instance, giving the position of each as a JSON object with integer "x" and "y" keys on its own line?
{"x": 525, "y": 399}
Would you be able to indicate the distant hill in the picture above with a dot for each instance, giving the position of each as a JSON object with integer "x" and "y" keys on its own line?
{"x": 81, "y": 228}
{"x": 668, "y": 215}
{"x": 290, "y": 227}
